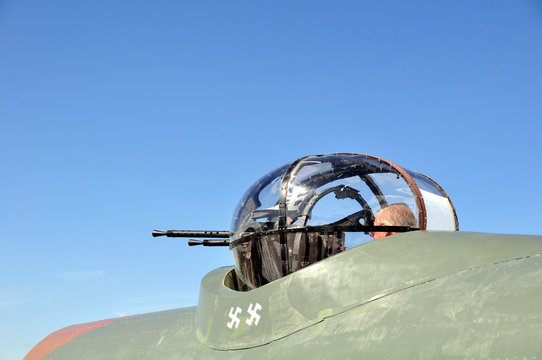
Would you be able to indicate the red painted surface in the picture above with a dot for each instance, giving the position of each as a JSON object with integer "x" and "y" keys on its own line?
{"x": 63, "y": 336}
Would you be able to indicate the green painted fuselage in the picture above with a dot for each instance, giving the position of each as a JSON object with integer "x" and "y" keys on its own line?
{"x": 414, "y": 295}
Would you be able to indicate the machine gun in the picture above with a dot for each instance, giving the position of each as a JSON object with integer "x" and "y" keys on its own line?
{"x": 247, "y": 236}
{"x": 197, "y": 234}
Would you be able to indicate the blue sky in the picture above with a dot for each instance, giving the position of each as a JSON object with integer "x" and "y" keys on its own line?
{"x": 122, "y": 117}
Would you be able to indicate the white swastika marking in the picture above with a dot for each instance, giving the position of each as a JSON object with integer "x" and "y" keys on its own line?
{"x": 234, "y": 319}
{"x": 254, "y": 316}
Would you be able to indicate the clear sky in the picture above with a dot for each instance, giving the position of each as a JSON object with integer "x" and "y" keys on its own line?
{"x": 120, "y": 117}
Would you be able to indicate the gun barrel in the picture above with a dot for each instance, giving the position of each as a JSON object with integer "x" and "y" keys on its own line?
{"x": 193, "y": 233}
{"x": 194, "y": 242}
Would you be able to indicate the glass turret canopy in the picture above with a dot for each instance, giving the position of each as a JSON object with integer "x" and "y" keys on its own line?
{"x": 320, "y": 205}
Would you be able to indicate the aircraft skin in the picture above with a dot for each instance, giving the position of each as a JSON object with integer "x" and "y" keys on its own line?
{"x": 422, "y": 294}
